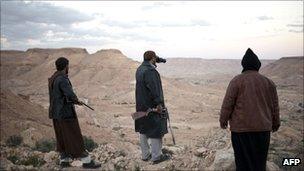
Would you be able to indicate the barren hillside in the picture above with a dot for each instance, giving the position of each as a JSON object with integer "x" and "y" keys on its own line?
{"x": 286, "y": 72}
{"x": 20, "y": 116}
{"x": 203, "y": 71}
{"x": 193, "y": 91}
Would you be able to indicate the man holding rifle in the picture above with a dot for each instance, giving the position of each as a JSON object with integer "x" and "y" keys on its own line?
{"x": 68, "y": 135}
{"x": 150, "y": 100}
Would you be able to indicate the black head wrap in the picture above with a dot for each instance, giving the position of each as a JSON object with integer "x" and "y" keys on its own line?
{"x": 250, "y": 61}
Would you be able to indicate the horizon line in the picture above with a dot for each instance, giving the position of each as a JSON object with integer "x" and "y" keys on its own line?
{"x": 169, "y": 57}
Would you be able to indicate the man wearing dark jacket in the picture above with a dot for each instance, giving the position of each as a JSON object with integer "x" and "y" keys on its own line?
{"x": 68, "y": 135}
{"x": 149, "y": 95}
{"x": 252, "y": 109}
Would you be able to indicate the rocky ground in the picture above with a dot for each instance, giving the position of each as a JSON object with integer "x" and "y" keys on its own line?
{"x": 212, "y": 152}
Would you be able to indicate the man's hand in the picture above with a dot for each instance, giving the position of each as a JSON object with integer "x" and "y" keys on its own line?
{"x": 159, "y": 108}
{"x": 80, "y": 103}
{"x": 275, "y": 128}
{"x": 224, "y": 125}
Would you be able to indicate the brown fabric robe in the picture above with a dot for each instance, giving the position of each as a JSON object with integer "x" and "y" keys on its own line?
{"x": 69, "y": 138}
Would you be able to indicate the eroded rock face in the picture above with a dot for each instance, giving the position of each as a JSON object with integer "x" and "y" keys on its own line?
{"x": 65, "y": 50}
{"x": 115, "y": 51}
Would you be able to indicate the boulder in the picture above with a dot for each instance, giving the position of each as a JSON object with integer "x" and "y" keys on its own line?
{"x": 201, "y": 152}
{"x": 270, "y": 166}
{"x": 50, "y": 157}
{"x": 224, "y": 160}
{"x": 173, "y": 149}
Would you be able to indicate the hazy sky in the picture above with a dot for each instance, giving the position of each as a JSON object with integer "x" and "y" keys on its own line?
{"x": 171, "y": 28}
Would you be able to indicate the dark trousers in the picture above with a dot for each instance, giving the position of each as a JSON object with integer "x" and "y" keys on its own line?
{"x": 250, "y": 150}
{"x": 69, "y": 138}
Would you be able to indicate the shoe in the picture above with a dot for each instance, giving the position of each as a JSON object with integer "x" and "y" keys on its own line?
{"x": 91, "y": 165}
{"x": 65, "y": 164}
{"x": 64, "y": 161}
{"x": 147, "y": 159}
{"x": 65, "y": 157}
{"x": 162, "y": 158}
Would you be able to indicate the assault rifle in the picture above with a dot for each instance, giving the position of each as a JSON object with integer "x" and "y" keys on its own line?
{"x": 164, "y": 113}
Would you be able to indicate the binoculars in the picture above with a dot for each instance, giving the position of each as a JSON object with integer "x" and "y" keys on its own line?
{"x": 160, "y": 60}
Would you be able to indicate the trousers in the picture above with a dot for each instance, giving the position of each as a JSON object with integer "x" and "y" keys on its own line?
{"x": 150, "y": 146}
{"x": 250, "y": 150}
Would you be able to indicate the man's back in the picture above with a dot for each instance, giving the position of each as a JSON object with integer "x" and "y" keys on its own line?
{"x": 251, "y": 103}
{"x": 148, "y": 91}
{"x": 61, "y": 97}
{"x": 251, "y": 107}
{"x": 141, "y": 92}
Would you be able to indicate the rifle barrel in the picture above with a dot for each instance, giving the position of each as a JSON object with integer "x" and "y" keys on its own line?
{"x": 88, "y": 106}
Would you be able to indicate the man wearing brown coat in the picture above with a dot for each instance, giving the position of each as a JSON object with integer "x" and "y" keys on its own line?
{"x": 252, "y": 109}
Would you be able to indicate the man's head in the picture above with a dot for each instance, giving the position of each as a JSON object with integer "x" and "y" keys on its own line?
{"x": 150, "y": 56}
{"x": 250, "y": 61}
{"x": 62, "y": 64}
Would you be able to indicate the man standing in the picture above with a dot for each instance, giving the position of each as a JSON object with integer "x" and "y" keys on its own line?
{"x": 68, "y": 135}
{"x": 252, "y": 109}
{"x": 149, "y": 95}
